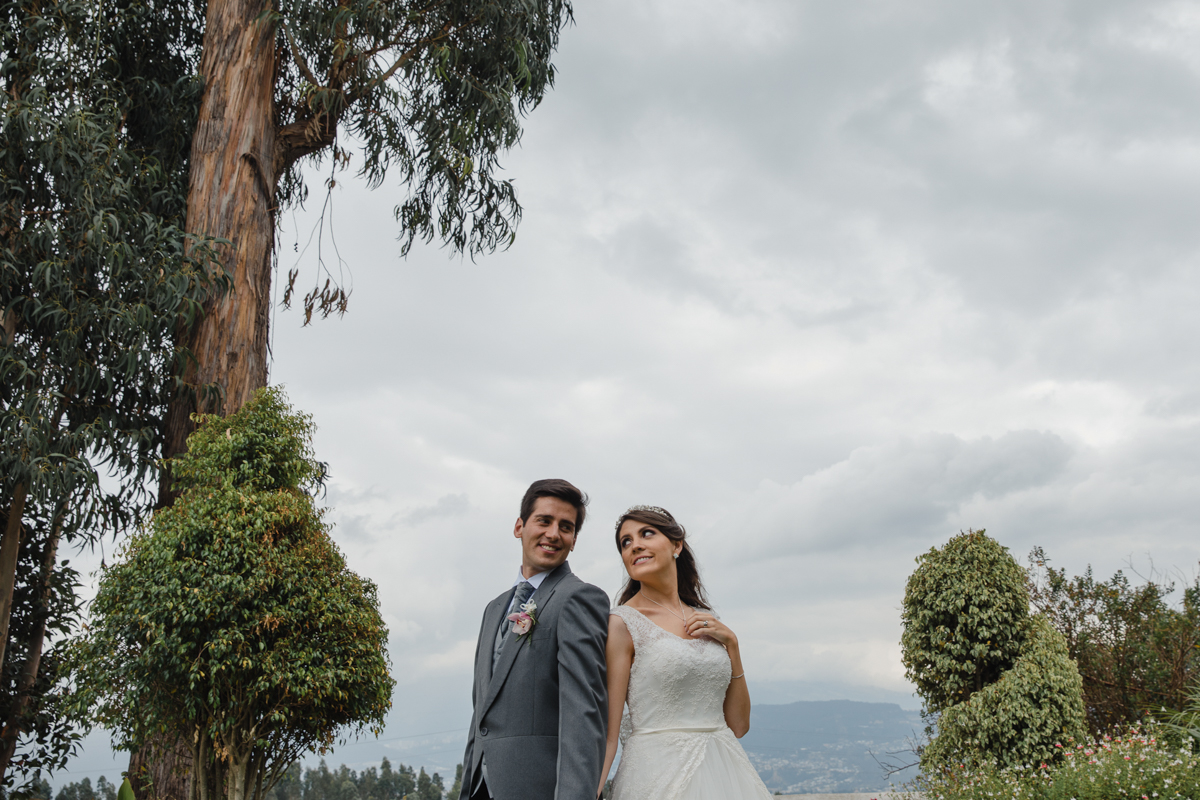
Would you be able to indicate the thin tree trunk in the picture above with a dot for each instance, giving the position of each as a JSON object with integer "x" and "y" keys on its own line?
{"x": 238, "y": 775}
{"x": 231, "y": 195}
{"x": 160, "y": 768}
{"x": 15, "y": 726}
{"x": 10, "y": 548}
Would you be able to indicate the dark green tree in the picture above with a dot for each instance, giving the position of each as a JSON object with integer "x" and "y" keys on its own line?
{"x": 289, "y": 786}
{"x": 998, "y": 685}
{"x": 429, "y": 787}
{"x": 233, "y": 617}
{"x": 395, "y": 784}
{"x": 82, "y": 790}
{"x": 1137, "y": 653}
{"x": 97, "y": 278}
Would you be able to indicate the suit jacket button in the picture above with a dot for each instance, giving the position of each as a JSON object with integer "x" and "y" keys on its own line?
{"x": 483, "y": 731}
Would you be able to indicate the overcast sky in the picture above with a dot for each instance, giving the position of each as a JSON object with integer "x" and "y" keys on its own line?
{"x": 831, "y": 281}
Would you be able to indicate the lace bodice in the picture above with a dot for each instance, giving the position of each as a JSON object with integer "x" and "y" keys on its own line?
{"x": 675, "y": 683}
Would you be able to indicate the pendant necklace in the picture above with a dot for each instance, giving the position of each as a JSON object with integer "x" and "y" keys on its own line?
{"x": 682, "y": 618}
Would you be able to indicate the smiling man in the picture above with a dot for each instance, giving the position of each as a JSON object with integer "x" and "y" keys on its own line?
{"x": 539, "y": 725}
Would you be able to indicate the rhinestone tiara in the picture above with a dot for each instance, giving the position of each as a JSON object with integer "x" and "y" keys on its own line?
{"x": 655, "y": 509}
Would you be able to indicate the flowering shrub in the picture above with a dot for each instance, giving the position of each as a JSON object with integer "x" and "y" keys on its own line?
{"x": 1139, "y": 766}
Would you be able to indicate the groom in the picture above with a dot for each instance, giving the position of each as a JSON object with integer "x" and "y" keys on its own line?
{"x": 538, "y": 731}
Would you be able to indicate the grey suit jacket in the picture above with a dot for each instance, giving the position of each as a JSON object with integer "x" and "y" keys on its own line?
{"x": 541, "y": 719}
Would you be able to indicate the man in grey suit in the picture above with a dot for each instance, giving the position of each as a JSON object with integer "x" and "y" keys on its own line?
{"x": 540, "y": 697}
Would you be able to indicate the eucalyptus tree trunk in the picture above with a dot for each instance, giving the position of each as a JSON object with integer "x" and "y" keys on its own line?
{"x": 231, "y": 196}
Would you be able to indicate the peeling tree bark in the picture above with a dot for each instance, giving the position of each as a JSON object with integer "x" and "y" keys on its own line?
{"x": 231, "y": 196}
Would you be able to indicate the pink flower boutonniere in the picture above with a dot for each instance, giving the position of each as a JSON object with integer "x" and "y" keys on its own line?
{"x": 523, "y": 620}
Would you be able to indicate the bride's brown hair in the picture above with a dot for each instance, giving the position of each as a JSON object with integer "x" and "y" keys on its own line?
{"x": 691, "y": 591}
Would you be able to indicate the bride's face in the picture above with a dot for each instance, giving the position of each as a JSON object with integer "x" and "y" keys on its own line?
{"x": 646, "y": 550}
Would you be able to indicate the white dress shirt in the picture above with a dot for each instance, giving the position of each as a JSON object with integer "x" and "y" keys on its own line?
{"x": 535, "y": 581}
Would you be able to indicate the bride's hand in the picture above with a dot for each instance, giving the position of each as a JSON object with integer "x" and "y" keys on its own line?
{"x": 703, "y": 624}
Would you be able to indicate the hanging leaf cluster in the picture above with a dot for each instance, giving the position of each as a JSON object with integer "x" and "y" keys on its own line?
{"x": 429, "y": 91}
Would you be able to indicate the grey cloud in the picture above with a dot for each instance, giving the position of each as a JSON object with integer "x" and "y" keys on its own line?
{"x": 449, "y": 505}
{"x": 767, "y": 248}
{"x": 901, "y": 491}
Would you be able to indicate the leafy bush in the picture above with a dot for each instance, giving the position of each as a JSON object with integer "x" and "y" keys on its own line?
{"x": 1136, "y": 652}
{"x": 1019, "y": 718}
{"x": 1137, "y": 765}
{"x": 233, "y": 620}
{"x": 998, "y": 686}
{"x": 964, "y": 612}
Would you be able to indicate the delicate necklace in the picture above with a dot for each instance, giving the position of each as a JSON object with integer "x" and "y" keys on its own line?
{"x": 682, "y": 618}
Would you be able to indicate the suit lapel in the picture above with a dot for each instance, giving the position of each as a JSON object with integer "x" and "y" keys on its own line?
{"x": 491, "y": 621}
{"x": 512, "y": 645}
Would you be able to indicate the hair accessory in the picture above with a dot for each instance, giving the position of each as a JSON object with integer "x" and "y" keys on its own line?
{"x": 654, "y": 509}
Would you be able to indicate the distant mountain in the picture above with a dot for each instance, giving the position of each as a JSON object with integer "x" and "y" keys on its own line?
{"x": 825, "y": 746}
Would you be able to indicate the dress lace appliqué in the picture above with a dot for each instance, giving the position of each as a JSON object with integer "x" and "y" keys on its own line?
{"x": 675, "y": 743}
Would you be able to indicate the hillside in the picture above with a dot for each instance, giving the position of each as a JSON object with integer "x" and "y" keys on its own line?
{"x": 826, "y": 746}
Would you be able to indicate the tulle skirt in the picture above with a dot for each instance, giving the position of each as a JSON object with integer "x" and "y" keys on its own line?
{"x": 686, "y": 765}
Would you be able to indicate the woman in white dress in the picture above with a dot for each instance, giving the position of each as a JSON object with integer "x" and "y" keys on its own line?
{"x": 678, "y": 668}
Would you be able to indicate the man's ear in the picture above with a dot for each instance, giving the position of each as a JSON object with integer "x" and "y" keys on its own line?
{"x": 517, "y": 528}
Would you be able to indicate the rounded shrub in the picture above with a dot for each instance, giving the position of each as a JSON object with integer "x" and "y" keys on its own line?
{"x": 964, "y": 614}
{"x": 232, "y": 620}
{"x": 999, "y": 686}
{"x": 1024, "y": 716}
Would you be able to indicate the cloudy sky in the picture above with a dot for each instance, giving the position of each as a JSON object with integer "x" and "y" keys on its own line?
{"x": 831, "y": 281}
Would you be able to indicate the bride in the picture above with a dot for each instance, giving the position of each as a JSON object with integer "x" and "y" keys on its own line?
{"x": 679, "y": 669}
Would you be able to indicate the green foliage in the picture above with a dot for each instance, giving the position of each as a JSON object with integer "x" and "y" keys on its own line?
{"x": 1019, "y": 718}
{"x": 429, "y": 788}
{"x": 36, "y": 789}
{"x": 1185, "y": 722}
{"x": 1136, "y": 765}
{"x": 96, "y": 275}
{"x": 964, "y": 617}
{"x": 433, "y": 91}
{"x": 82, "y": 790}
{"x": 233, "y": 618}
{"x": 1136, "y": 652}
{"x": 95, "y": 280}
{"x": 998, "y": 685}
{"x": 39, "y": 600}
{"x": 343, "y": 783}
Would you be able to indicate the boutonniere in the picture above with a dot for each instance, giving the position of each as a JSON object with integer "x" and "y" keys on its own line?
{"x": 523, "y": 620}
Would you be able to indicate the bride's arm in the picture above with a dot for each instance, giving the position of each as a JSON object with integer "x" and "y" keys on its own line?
{"x": 737, "y": 696}
{"x": 618, "y": 655}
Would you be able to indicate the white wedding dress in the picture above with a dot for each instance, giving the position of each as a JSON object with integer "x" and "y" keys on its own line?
{"x": 675, "y": 744}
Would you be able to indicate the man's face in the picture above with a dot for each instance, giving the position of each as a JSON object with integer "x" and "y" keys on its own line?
{"x": 547, "y": 537}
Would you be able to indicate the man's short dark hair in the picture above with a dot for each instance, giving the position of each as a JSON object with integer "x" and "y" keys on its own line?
{"x": 554, "y": 487}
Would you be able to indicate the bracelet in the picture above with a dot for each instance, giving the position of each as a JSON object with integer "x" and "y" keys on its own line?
{"x": 735, "y": 677}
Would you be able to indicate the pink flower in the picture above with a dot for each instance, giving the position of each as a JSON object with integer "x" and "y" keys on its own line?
{"x": 522, "y": 622}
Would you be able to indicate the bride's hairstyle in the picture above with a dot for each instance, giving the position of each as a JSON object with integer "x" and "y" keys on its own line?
{"x": 691, "y": 591}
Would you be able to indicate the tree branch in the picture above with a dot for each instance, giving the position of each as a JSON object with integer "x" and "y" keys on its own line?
{"x": 297, "y": 56}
